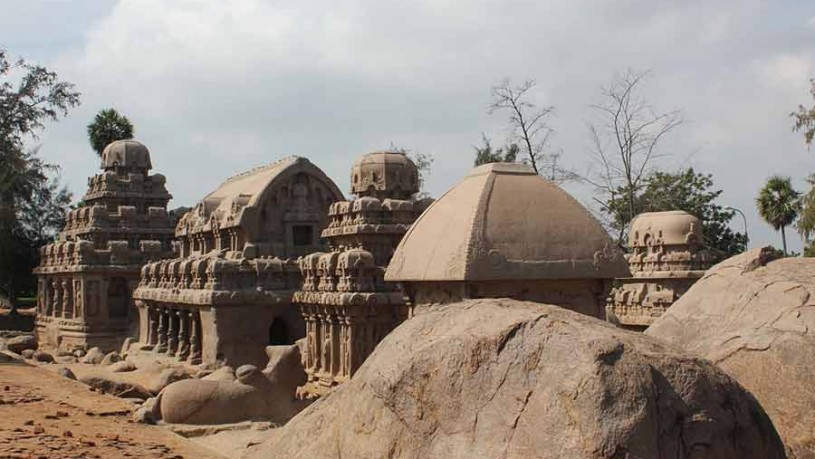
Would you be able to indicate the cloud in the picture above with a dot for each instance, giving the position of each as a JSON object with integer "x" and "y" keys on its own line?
{"x": 217, "y": 87}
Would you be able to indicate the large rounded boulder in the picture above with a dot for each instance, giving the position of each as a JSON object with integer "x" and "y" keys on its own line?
{"x": 502, "y": 378}
{"x": 754, "y": 317}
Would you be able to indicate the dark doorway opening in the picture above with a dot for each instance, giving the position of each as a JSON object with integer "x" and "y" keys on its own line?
{"x": 278, "y": 334}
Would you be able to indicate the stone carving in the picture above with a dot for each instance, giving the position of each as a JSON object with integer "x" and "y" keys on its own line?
{"x": 85, "y": 277}
{"x": 504, "y": 231}
{"x": 666, "y": 257}
{"x": 229, "y": 292}
{"x": 346, "y": 304}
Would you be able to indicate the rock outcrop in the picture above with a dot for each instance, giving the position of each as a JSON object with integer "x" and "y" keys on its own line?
{"x": 503, "y": 378}
{"x": 755, "y": 318}
{"x": 226, "y": 395}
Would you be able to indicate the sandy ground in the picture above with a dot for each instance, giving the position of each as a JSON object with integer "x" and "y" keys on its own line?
{"x": 44, "y": 415}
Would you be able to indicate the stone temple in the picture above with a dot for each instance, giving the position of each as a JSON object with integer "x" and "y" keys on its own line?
{"x": 504, "y": 231}
{"x": 229, "y": 292}
{"x": 87, "y": 277}
{"x": 346, "y": 304}
{"x": 667, "y": 256}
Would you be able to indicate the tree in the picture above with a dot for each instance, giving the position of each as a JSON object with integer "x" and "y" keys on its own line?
{"x": 806, "y": 217}
{"x": 805, "y": 118}
{"x": 530, "y": 130}
{"x": 626, "y": 135}
{"x": 778, "y": 205}
{"x": 30, "y": 95}
{"x": 486, "y": 154}
{"x": 694, "y": 193}
{"x": 108, "y": 126}
{"x": 423, "y": 162}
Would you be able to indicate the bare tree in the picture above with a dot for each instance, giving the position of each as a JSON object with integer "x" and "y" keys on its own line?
{"x": 625, "y": 135}
{"x": 529, "y": 128}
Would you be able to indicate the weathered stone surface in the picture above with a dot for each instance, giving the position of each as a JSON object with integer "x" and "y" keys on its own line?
{"x": 111, "y": 358}
{"x": 28, "y": 353}
{"x": 123, "y": 366}
{"x": 42, "y": 356}
{"x": 20, "y": 343}
{"x": 755, "y": 318}
{"x": 166, "y": 378}
{"x": 117, "y": 388}
{"x": 67, "y": 373}
{"x": 285, "y": 367}
{"x": 502, "y": 378}
{"x": 93, "y": 356}
{"x": 7, "y": 356}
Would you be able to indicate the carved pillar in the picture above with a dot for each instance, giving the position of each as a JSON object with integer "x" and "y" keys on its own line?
{"x": 152, "y": 324}
{"x": 311, "y": 338}
{"x": 172, "y": 337}
{"x": 195, "y": 341}
{"x": 57, "y": 311}
{"x": 79, "y": 298}
{"x": 67, "y": 299}
{"x": 183, "y": 346}
{"x": 161, "y": 332}
{"x": 334, "y": 366}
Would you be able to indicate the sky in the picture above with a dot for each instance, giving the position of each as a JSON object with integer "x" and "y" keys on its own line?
{"x": 216, "y": 87}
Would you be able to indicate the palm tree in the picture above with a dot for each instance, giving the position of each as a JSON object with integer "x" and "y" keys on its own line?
{"x": 108, "y": 126}
{"x": 778, "y": 204}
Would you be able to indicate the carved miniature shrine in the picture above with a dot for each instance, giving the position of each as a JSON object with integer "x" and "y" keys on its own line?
{"x": 667, "y": 257}
{"x": 346, "y": 304}
{"x": 229, "y": 293}
{"x": 86, "y": 278}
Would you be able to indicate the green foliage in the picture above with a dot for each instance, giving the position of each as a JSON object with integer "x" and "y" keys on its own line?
{"x": 806, "y": 217}
{"x": 30, "y": 204}
{"x": 108, "y": 126}
{"x": 486, "y": 154}
{"x": 778, "y": 204}
{"x": 804, "y": 119}
{"x": 686, "y": 190}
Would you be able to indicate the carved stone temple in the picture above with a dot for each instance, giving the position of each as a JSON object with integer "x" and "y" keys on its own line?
{"x": 504, "y": 231}
{"x": 229, "y": 292}
{"x": 667, "y": 256}
{"x": 86, "y": 278}
{"x": 347, "y": 306}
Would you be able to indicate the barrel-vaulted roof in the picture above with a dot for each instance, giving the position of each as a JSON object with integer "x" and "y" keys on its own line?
{"x": 244, "y": 190}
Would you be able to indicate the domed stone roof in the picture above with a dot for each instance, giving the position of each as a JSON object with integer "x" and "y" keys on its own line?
{"x": 504, "y": 222}
{"x": 675, "y": 227}
{"x": 128, "y": 153}
{"x": 384, "y": 174}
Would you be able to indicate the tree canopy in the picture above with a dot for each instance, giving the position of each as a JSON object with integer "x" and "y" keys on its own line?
{"x": 778, "y": 204}
{"x": 687, "y": 190}
{"x": 804, "y": 118}
{"x": 487, "y": 154}
{"x": 30, "y": 202}
{"x": 108, "y": 126}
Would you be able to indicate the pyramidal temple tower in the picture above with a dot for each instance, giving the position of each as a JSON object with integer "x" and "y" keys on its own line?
{"x": 87, "y": 277}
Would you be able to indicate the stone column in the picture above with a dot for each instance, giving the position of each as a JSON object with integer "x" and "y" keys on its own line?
{"x": 150, "y": 312}
{"x": 195, "y": 341}
{"x": 57, "y": 311}
{"x": 183, "y": 346}
{"x": 79, "y": 298}
{"x": 161, "y": 332}
{"x": 67, "y": 299}
{"x": 172, "y": 337}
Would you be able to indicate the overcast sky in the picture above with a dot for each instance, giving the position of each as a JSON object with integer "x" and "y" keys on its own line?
{"x": 215, "y": 87}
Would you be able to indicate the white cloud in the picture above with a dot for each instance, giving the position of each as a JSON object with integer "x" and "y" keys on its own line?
{"x": 216, "y": 87}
